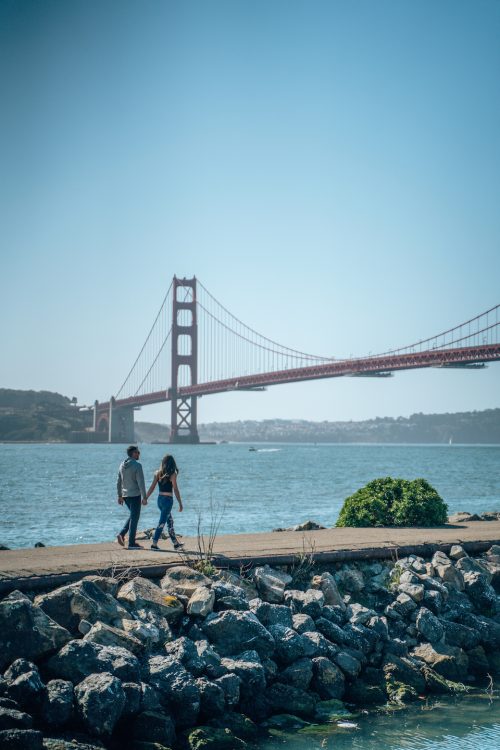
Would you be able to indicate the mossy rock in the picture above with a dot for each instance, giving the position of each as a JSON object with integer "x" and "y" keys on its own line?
{"x": 361, "y": 693}
{"x": 436, "y": 683}
{"x": 399, "y": 692}
{"x": 394, "y": 502}
{"x": 239, "y": 724}
{"x": 285, "y": 723}
{"x": 139, "y": 745}
{"x": 211, "y": 738}
{"x": 330, "y": 711}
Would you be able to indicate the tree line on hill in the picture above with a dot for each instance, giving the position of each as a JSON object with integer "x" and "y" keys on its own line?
{"x": 47, "y": 416}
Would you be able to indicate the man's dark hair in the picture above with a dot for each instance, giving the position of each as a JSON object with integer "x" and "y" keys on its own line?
{"x": 131, "y": 449}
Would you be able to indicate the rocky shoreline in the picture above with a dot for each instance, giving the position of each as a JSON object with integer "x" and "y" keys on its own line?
{"x": 217, "y": 661}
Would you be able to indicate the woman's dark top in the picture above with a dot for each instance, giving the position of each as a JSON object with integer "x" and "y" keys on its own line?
{"x": 164, "y": 484}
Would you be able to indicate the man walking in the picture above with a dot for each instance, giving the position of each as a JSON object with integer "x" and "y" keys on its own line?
{"x": 131, "y": 491}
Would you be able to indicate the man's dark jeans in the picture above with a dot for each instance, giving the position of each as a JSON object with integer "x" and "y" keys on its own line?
{"x": 130, "y": 528}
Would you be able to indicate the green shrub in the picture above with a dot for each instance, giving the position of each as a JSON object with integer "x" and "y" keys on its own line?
{"x": 394, "y": 502}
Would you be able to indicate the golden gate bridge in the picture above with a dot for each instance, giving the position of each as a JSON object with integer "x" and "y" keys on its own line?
{"x": 196, "y": 347}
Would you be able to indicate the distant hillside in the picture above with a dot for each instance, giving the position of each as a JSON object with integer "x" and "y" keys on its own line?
{"x": 39, "y": 416}
{"x": 479, "y": 427}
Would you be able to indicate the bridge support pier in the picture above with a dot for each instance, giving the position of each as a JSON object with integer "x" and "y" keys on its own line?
{"x": 184, "y": 424}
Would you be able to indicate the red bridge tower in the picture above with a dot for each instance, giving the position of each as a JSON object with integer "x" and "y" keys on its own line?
{"x": 184, "y": 426}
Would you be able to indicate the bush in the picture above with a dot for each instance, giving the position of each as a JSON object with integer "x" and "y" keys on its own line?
{"x": 394, "y": 502}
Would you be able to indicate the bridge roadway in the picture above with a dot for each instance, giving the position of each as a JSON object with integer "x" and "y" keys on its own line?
{"x": 48, "y": 567}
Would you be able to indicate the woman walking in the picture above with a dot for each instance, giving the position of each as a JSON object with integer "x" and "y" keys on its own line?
{"x": 166, "y": 479}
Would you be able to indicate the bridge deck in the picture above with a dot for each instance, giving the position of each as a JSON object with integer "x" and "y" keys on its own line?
{"x": 47, "y": 567}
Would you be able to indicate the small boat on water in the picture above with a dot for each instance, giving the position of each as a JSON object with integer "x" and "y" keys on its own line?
{"x": 253, "y": 449}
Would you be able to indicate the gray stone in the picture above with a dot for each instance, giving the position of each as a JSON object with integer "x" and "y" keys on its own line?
{"x": 177, "y": 687}
{"x": 230, "y": 683}
{"x": 481, "y": 592}
{"x": 450, "y": 662}
{"x": 100, "y": 701}
{"x": 327, "y": 584}
{"x": 349, "y": 665}
{"x": 429, "y": 626}
{"x": 288, "y": 698}
{"x": 77, "y": 659}
{"x": 181, "y": 579}
{"x": 251, "y": 675}
{"x": 83, "y": 600}
{"x": 457, "y": 552}
{"x": 302, "y": 623}
{"x": 290, "y": 646}
{"x": 27, "y": 631}
{"x": 25, "y": 687}
{"x": 141, "y": 593}
{"x": 212, "y": 664}
{"x": 328, "y": 680}
{"x": 232, "y": 632}
{"x": 271, "y": 614}
{"x": 457, "y": 634}
{"x": 154, "y": 727}
{"x": 350, "y": 579}
{"x": 107, "y": 635}
{"x": 404, "y": 671}
{"x": 271, "y": 583}
{"x": 201, "y": 602}
{"x": 331, "y": 631}
{"x": 21, "y": 739}
{"x": 133, "y": 698}
{"x": 212, "y": 699}
{"x": 299, "y": 674}
{"x": 358, "y": 614}
{"x": 185, "y": 651}
{"x": 318, "y": 645}
{"x": 11, "y": 718}
{"x": 415, "y": 591}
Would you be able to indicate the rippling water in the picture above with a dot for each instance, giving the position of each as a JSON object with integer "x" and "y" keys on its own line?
{"x": 467, "y": 723}
{"x": 66, "y": 494}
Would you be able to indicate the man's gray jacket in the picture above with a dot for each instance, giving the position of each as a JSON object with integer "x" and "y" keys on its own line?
{"x": 130, "y": 482}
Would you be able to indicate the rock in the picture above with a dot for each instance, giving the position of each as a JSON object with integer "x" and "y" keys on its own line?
{"x": 299, "y": 674}
{"x": 446, "y": 571}
{"x": 350, "y": 579}
{"x": 405, "y": 605}
{"x": 481, "y": 592}
{"x": 463, "y": 517}
{"x": 154, "y": 726}
{"x": 106, "y": 635}
{"x": 362, "y": 693}
{"x": 100, "y": 701}
{"x": 77, "y": 659}
{"x": 271, "y": 614}
{"x": 449, "y": 661}
{"x": 21, "y": 739}
{"x": 83, "y": 600}
{"x": 250, "y": 673}
{"x": 211, "y": 738}
{"x": 487, "y": 629}
{"x": 457, "y": 552}
{"x": 434, "y": 601}
{"x": 290, "y": 699}
{"x": 57, "y": 743}
{"x": 230, "y": 683}
{"x": 212, "y": 663}
{"x": 271, "y": 583}
{"x": 224, "y": 589}
{"x": 185, "y": 651}
{"x": 327, "y": 584}
{"x": 327, "y": 712}
{"x": 318, "y": 645}
{"x": 335, "y": 614}
{"x": 231, "y": 602}
{"x": 331, "y": 631}
{"x": 27, "y": 631}
{"x": 358, "y": 614}
{"x": 133, "y": 699}
{"x": 141, "y": 593}
{"x": 429, "y": 626}
{"x": 177, "y": 687}
{"x": 457, "y": 634}
{"x": 415, "y": 591}
{"x": 290, "y": 646}
{"x": 107, "y": 584}
{"x": 349, "y": 665}
{"x": 148, "y": 634}
{"x": 212, "y": 699}
{"x": 308, "y": 526}
{"x": 25, "y": 685}
{"x": 201, "y": 602}
{"x": 182, "y": 579}
{"x": 478, "y": 661}
{"x": 400, "y": 670}
{"x": 328, "y": 680}
{"x": 246, "y": 584}
{"x": 286, "y": 723}
{"x": 301, "y": 623}
{"x": 11, "y": 718}
{"x": 149, "y": 617}
{"x": 470, "y": 565}
{"x": 232, "y": 632}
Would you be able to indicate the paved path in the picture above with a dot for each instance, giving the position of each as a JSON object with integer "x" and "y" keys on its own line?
{"x": 46, "y": 567}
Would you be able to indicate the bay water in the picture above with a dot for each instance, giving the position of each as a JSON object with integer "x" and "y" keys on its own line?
{"x": 66, "y": 494}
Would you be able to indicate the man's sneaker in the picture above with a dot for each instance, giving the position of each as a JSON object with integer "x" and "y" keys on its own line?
{"x": 178, "y": 545}
{"x": 120, "y": 540}
{"x": 135, "y": 546}
{"x": 154, "y": 546}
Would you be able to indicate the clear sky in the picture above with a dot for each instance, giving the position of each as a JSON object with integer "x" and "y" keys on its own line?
{"x": 330, "y": 170}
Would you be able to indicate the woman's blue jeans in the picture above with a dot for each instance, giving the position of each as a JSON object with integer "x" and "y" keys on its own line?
{"x": 165, "y": 505}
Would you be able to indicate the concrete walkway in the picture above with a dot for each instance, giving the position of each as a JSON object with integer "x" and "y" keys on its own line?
{"x": 47, "y": 567}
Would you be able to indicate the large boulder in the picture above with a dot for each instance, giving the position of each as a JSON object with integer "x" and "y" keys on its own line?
{"x": 141, "y": 593}
{"x": 212, "y": 699}
{"x": 328, "y": 680}
{"x": 403, "y": 671}
{"x": 83, "y": 600}
{"x": 232, "y": 632}
{"x": 185, "y": 651}
{"x": 271, "y": 583}
{"x": 308, "y": 602}
{"x": 429, "y": 626}
{"x": 57, "y": 706}
{"x": 11, "y": 718}
{"x": 327, "y": 584}
{"x": 250, "y": 673}
{"x": 457, "y": 634}
{"x": 77, "y": 659}
{"x": 106, "y": 635}
{"x": 201, "y": 602}
{"x": 287, "y": 698}
{"x": 100, "y": 700}
{"x": 177, "y": 687}
{"x": 27, "y": 631}
{"x": 481, "y": 592}
{"x": 450, "y": 662}
{"x": 290, "y": 646}
{"x": 212, "y": 664}
{"x": 299, "y": 674}
{"x": 271, "y": 614}
{"x": 183, "y": 580}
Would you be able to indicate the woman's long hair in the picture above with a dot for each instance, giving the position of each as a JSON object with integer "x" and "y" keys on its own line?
{"x": 167, "y": 467}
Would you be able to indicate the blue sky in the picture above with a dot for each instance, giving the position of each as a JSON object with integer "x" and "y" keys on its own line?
{"x": 329, "y": 170}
